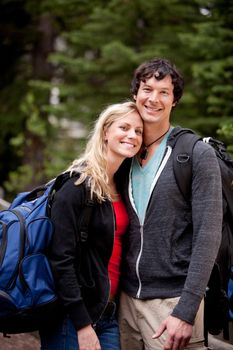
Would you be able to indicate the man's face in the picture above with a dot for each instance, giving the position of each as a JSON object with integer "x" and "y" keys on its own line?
{"x": 155, "y": 100}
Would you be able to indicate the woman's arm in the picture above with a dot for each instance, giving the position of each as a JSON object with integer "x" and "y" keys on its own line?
{"x": 65, "y": 214}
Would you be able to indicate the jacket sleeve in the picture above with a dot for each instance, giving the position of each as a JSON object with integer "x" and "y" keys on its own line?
{"x": 65, "y": 215}
{"x": 206, "y": 205}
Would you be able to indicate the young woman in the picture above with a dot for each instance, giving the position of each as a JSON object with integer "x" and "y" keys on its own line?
{"x": 81, "y": 273}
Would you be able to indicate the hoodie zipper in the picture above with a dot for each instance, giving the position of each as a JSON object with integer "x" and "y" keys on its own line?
{"x": 160, "y": 169}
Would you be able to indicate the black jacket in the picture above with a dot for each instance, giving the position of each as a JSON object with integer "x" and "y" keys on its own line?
{"x": 81, "y": 269}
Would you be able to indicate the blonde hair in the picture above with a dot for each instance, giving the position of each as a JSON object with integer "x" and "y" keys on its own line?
{"x": 92, "y": 164}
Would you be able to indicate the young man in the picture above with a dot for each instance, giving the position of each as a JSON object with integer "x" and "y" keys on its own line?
{"x": 172, "y": 245}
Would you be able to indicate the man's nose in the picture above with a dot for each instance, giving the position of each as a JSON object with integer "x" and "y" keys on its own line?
{"x": 153, "y": 96}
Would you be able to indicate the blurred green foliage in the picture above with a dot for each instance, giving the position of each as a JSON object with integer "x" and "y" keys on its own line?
{"x": 63, "y": 61}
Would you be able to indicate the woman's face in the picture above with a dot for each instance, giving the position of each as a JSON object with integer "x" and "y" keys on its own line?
{"x": 124, "y": 136}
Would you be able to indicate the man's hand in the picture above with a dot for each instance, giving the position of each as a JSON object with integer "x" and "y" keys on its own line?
{"x": 178, "y": 333}
{"x": 87, "y": 339}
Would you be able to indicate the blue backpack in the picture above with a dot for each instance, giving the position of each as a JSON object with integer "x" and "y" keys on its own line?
{"x": 219, "y": 294}
{"x": 28, "y": 299}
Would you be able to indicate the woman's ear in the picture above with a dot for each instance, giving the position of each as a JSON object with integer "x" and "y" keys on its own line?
{"x": 105, "y": 135}
{"x": 134, "y": 97}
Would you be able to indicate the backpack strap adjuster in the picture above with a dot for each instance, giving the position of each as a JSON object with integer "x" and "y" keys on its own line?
{"x": 183, "y": 158}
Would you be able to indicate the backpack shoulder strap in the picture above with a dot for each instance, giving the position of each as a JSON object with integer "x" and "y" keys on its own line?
{"x": 182, "y": 151}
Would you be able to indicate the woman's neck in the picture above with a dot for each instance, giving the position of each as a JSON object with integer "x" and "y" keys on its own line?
{"x": 112, "y": 168}
{"x": 113, "y": 190}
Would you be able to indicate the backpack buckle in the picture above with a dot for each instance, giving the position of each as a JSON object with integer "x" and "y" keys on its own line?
{"x": 183, "y": 158}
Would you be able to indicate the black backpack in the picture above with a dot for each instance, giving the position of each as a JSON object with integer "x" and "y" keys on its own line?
{"x": 28, "y": 298}
{"x": 218, "y": 309}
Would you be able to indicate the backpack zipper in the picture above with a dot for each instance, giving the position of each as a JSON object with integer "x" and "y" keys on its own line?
{"x": 22, "y": 240}
{"x": 3, "y": 242}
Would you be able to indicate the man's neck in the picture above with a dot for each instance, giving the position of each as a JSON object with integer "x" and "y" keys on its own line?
{"x": 152, "y": 132}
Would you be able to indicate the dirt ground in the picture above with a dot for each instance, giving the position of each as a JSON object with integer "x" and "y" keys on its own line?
{"x": 30, "y": 341}
{"x": 26, "y": 341}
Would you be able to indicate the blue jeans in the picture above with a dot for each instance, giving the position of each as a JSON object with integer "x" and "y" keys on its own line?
{"x": 64, "y": 337}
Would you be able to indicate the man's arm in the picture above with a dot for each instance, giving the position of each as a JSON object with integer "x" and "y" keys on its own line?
{"x": 206, "y": 204}
{"x": 207, "y": 227}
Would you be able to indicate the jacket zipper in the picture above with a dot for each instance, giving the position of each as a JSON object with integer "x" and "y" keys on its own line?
{"x": 137, "y": 263}
{"x": 106, "y": 304}
{"x": 160, "y": 169}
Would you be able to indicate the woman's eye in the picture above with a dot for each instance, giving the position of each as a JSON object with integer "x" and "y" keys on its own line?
{"x": 122, "y": 127}
{"x": 138, "y": 132}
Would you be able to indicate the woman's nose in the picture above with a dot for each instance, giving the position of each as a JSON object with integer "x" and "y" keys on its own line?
{"x": 132, "y": 134}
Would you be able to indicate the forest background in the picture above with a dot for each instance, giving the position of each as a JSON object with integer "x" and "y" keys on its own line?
{"x": 63, "y": 61}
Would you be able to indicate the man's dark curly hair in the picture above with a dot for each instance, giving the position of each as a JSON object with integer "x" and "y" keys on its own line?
{"x": 159, "y": 68}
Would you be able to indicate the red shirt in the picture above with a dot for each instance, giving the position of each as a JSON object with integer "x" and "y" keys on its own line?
{"x": 122, "y": 222}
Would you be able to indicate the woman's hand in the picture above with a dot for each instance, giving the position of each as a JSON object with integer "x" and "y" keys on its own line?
{"x": 87, "y": 339}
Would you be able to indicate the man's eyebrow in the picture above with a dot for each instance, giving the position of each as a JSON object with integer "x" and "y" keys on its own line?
{"x": 145, "y": 83}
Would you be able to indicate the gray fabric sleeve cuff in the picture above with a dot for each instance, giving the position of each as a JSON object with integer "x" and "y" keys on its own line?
{"x": 187, "y": 307}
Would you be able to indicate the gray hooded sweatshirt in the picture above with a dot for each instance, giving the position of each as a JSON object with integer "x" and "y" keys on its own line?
{"x": 172, "y": 253}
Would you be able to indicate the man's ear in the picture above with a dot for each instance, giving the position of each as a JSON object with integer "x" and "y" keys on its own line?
{"x": 174, "y": 104}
